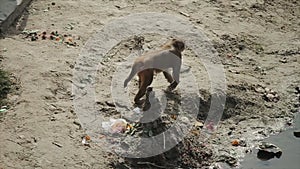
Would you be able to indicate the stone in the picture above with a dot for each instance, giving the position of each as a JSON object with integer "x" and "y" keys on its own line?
{"x": 268, "y": 151}
{"x": 297, "y": 133}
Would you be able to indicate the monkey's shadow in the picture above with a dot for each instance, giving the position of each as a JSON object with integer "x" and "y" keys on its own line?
{"x": 156, "y": 119}
{"x": 154, "y": 112}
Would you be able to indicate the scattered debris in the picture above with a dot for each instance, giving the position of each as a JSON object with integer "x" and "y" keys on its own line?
{"x": 198, "y": 124}
{"x": 138, "y": 42}
{"x": 150, "y": 164}
{"x": 4, "y": 50}
{"x": 184, "y": 14}
{"x": 297, "y": 90}
{"x": 238, "y": 142}
{"x": 234, "y": 71}
{"x": 268, "y": 151}
{"x": 70, "y": 26}
{"x": 110, "y": 104}
{"x": 270, "y": 95}
{"x": 3, "y": 109}
{"x": 259, "y": 89}
{"x": 115, "y": 125}
{"x": 194, "y": 154}
{"x": 34, "y": 35}
{"x": 229, "y": 55}
{"x": 77, "y": 122}
{"x": 173, "y": 116}
{"x": 243, "y": 143}
{"x": 57, "y": 144}
{"x": 227, "y": 159}
{"x": 235, "y": 142}
{"x": 86, "y": 140}
{"x": 30, "y": 32}
{"x": 283, "y": 60}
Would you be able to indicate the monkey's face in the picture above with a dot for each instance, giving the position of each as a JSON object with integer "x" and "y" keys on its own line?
{"x": 178, "y": 44}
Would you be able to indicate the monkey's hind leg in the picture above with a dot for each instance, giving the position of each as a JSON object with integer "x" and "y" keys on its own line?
{"x": 145, "y": 78}
{"x": 146, "y": 106}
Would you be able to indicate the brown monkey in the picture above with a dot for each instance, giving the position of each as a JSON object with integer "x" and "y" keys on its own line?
{"x": 169, "y": 56}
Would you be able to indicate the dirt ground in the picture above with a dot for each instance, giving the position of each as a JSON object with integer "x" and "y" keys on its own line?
{"x": 258, "y": 42}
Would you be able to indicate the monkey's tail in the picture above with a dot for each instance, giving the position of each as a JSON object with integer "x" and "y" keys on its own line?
{"x": 134, "y": 70}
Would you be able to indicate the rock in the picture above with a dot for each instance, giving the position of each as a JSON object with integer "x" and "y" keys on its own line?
{"x": 243, "y": 143}
{"x": 297, "y": 133}
{"x": 297, "y": 89}
{"x": 268, "y": 151}
{"x": 269, "y": 105}
{"x": 270, "y": 95}
{"x": 110, "y": 104}
{"x": 232, "y": 127}
{"x": 34, "y": 38}
{"x": 227, "y": 159}
{"x": 77, "y": 122}
{"x": 234, "y": 71}
{"x": 259, "y": 89}
{"x": 283, "y": 60}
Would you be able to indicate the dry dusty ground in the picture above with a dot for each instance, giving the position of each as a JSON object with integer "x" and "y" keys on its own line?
{"x": 258, "y": 43}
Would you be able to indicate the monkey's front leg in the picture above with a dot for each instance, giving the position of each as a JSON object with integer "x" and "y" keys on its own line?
{"x": 172, "y": 86}
{"x": 168, "y": 76}
{"x": 175, "y": 74}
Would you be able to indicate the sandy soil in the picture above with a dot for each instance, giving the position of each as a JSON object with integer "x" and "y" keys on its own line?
{"x": 258, "y": 43}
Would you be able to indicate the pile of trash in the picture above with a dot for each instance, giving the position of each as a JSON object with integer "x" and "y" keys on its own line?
{"x": 35, "y": 35}
{"x": 120, "y": 126}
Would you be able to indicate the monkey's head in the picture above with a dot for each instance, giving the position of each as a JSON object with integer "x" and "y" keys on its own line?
{"x": 178, "y": 44}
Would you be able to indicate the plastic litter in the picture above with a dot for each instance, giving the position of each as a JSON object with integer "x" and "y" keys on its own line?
{"x": 3, "y": 109}
{"x": 235, "y": 142}
{"x": 115, "y": 126}
{"x": 85, "y": 140}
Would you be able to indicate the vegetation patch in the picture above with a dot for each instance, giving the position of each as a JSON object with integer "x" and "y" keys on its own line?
{"x": 5, "y": 86}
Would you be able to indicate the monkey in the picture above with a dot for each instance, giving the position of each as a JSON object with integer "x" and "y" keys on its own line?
{"x": 168, "y": 56}
{"x": 147, "y": 104}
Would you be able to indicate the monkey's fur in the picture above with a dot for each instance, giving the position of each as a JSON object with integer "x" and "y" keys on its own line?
{"x": 168, "y": 56}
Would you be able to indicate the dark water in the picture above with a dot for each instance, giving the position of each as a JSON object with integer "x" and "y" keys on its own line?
{"x": 290, "y": 146}
{"x": 6, "y": 8}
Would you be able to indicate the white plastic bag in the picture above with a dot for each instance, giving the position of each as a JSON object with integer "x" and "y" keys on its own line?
{"x": 115, "y": 125}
